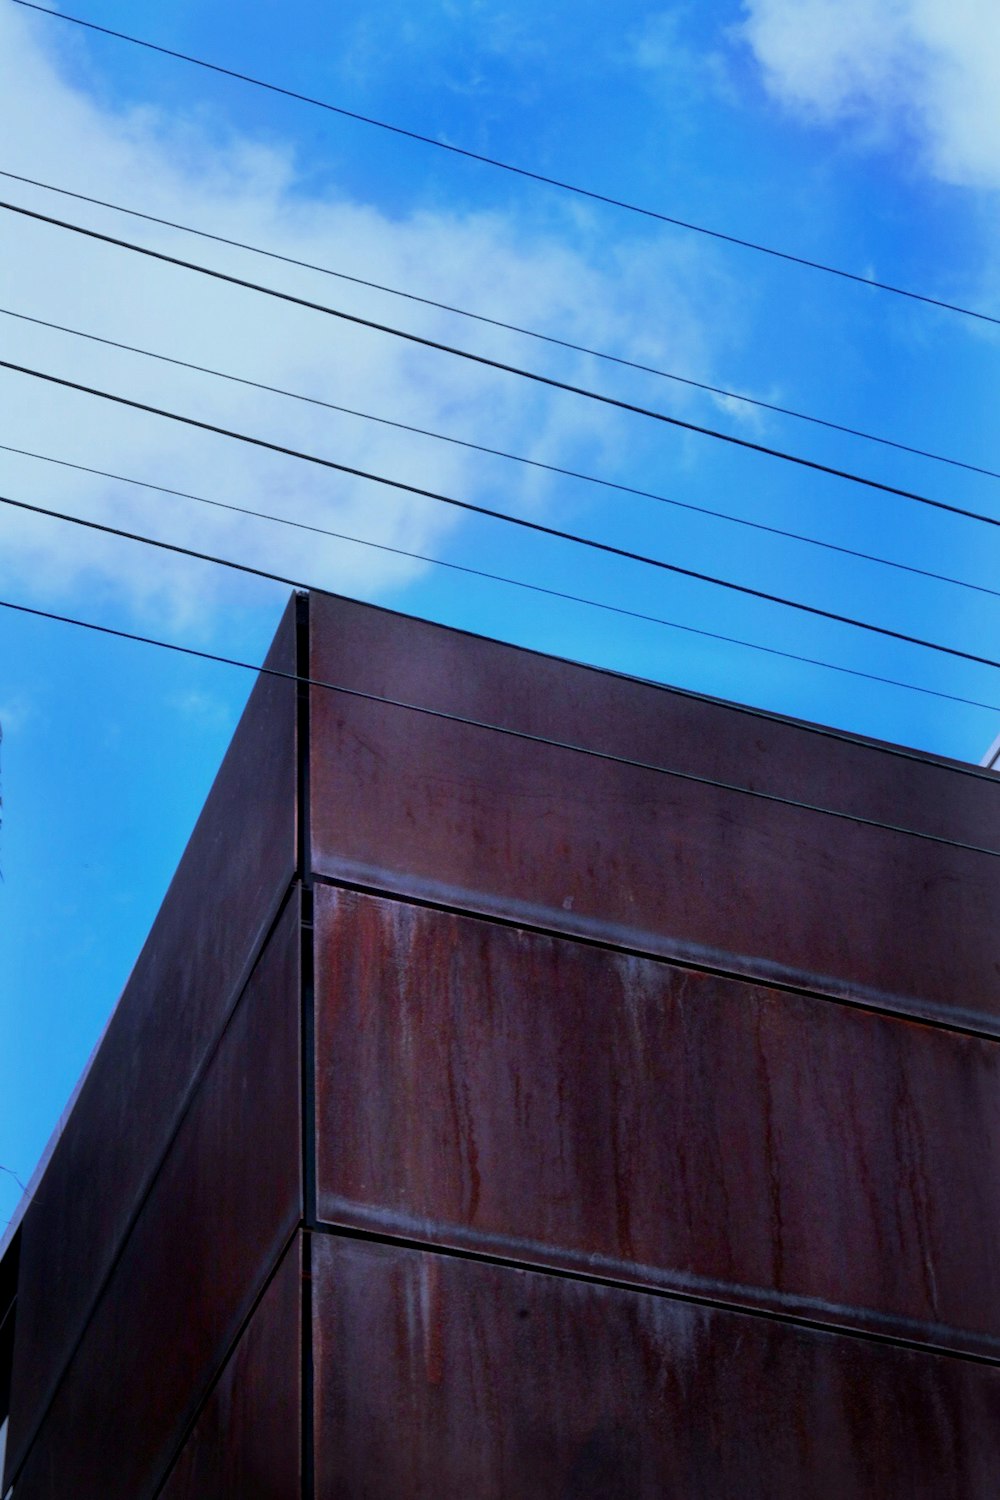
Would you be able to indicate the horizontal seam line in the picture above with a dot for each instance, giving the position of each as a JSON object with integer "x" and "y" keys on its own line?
{"x": 594, "y": 1278}
{"x": 691, "y": 965}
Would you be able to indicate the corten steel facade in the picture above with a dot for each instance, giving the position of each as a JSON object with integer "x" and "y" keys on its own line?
{"x": 484, "y": 1120}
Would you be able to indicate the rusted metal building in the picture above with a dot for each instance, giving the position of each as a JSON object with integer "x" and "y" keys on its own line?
{"x": 606, "y": 1108}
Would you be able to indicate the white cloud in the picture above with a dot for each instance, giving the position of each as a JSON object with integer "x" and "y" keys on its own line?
{"x": 924, "y": 71}
{"x": 646, "y": 300}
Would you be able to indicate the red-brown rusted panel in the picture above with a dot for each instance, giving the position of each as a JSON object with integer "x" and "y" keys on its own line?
{"x": 216, "y": 1219}
{"x": 381, "y": 651}
{"x": 550, "y": 1100}
{"x": 404, "y": 803}
{"x": 440, "y": 1378}
{"x": 226, "y": 892}
{"x": 246, "y": 1443}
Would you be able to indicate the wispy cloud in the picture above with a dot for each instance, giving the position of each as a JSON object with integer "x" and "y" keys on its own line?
{"x": 645, "y": 299}
{"x": 16, "y": 713}
{"x": 660, "y": 46}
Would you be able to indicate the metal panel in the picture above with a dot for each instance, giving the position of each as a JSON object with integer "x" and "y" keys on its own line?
{"x": 440, "y": 1378}
{"x": 246, "y": 1443}
{"x": 225, "y": 894}
{"x": 485, "y": 1086}
{"x": 404, "y": 803}
{"x": 220, "y": 1211}
{"x": 379, "y": 651}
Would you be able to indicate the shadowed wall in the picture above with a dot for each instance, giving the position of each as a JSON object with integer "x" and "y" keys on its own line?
{"x": 487, "y": 1117}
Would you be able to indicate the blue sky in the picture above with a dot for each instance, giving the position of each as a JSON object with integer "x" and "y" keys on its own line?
{"x": 862, "y": 133}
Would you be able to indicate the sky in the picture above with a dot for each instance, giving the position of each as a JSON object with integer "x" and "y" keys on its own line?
{"x": 864, "y": 134}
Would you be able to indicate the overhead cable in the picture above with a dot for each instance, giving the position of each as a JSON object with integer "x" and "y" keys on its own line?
{"x": 522, "y": 521}
{"x": 521, "y": 583}
{"x": 495, "y": 364}
{"x": 523, "y": 172}
{"x": 510, "y": 733}
{"x": 701, "y": 510}
{"x": 531, "y": 333}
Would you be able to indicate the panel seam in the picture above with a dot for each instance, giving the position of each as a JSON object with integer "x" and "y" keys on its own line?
{"x": 196, "y": 1082}
{"x": 672, "y": 1294}
{"x": 786, "y": 986}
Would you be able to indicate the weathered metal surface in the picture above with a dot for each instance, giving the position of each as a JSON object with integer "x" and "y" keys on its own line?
{"x": 547, "y": 1099}
{"x": 246, "y": 1443}
{"x": 218, "y": 1214}
{"x": 225, "y": 893}
{"x": 404, "y": 803}
{"x": 380, "y": 651}
{"x": 439, "y": 1378}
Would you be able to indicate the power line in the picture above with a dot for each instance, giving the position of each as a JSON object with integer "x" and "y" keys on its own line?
{"x": 523, "y": 172}
{"x": 532, "y": 333}
{"x": 495, "y": 364}
{"x": 701, "y": 510}
{"x": 467, "y": 505}
{"x": 503, "y": 729}
{"x": 520, "y": 583}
